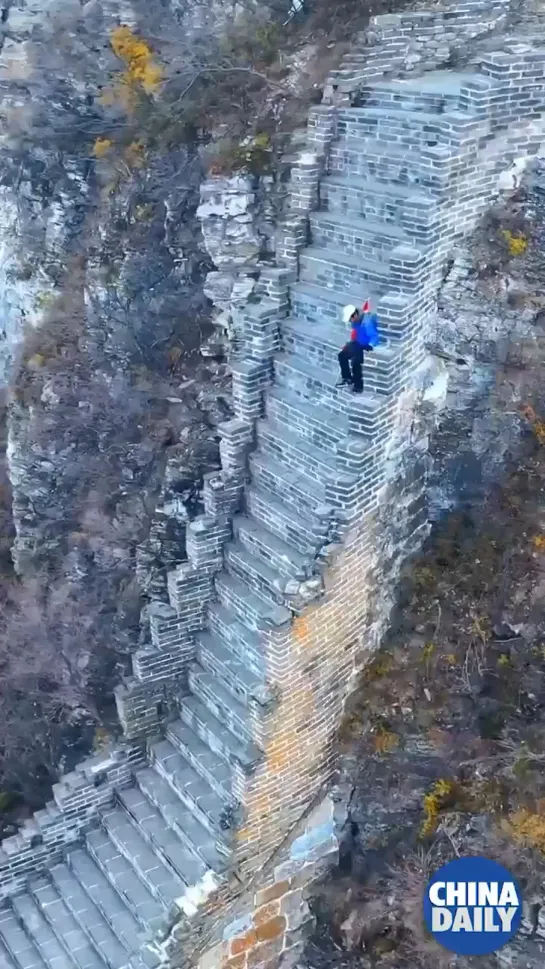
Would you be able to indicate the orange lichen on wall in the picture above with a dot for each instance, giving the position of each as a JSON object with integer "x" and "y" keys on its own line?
{"x": 315, "y": 663}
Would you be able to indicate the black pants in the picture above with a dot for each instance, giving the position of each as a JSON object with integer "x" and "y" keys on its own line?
{"x": 350, "y": 362}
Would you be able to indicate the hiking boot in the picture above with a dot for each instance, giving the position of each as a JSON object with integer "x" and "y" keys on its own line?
{"x": 356, "y": 390}
{"x": 343, "y": 383}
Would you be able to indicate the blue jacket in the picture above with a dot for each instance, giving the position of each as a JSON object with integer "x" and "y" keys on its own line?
{"x": 366, "y": 331}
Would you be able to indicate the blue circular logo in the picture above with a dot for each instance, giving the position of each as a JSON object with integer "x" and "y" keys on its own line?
{"x": 472, "y": 906}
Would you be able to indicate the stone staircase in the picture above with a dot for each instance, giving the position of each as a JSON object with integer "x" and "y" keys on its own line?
{"x": 162, "y": 845}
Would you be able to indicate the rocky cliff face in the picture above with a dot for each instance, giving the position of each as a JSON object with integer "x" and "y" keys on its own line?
{"x": 113, "y": 409}
{"x": 490, "y": 332}
{"x": 138, "y": 289}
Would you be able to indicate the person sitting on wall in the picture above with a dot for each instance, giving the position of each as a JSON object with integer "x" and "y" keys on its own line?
{"x": 363, "y": 337}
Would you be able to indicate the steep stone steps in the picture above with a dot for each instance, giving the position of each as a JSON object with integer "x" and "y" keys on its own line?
{"x": 248, "y": 607}
{"x": 90, "y": 946}
{"x": 366, "y": 412}
{"x": 18, "y": 949}
{"x": 436, "y": 92}
{"x": 329, "y": 269}
{"x": 317, "y": 426}
{"x": 103, "y": 895}
{"x": 295, "y": 528}
{"x": 164, "y": 842}
{"x": 396, "y": 164}
{"x": 256, "y": 575}
{"x": 244, "y": 643}
{"x": 6, "y": 962}
{"x": 282, "y": 443}
{"x": 162, "y": 882}
{"x": 89, "y": 918}
{"x": 216, "y": 654}
{"x": 317, "y": 385}
{"x": 319, "y": 304}
{"x": 124, "y": 880}
{"x": 406, "y": 206}
{"x": 222, "y": 705}
{"x": 314, "y": 384}
{"x": 362, "y": 238}
{"x": 402, "y": 128}
{"x": 191, "y": 737}
{"x": 320, "y": 344}
{"x": 297, "y": 490}
{"x": 180, "y": 818}
{"x": 51, "y": 942}
{"x": 192, "y": 789}
{"x": 265, "y": 545}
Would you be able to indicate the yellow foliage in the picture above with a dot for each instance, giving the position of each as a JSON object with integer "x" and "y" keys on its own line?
{"x": 527, "y": 828}
{"x": 36, "y": 361}
{"x": 141, "y": 70}
{"x": 174, "y": 355}
{"x": 516, "y": 244}
{"x": 134, "y": 154}
{"x": 381, "y": 667}
{"x": 479, "y": 627}
{"x": 102, "y": 147}
{"x": 539, "y": 543}
{"x": 143, "y": 212}
{"x": 100, "y": 739}
{"x": 451, "y": 659}
{"x": 44, "y": 300}
{"x": 538, "y": 426}
{"x": 423, "y": 578}
{"x": 503, "y": 661}
{"x": 427, "y": 652}
{"x": 384, "y": 740}
{"x": 261, "y": 141}
{"x": 437, "y": 798}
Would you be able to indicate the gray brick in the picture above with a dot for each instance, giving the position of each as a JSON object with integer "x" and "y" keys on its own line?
{"x": 194, "y": 742}
{"x": 304, "y": 534}
{"x": 164, "y": 842}
{"x": 124, "y": 879}
{"x": 180, "y": 818}
{"x": 192, "y": 789}
{"x": 97, "y": 887}
{"x": 162, "y": 883}
{"x": 249, "y": 607}
{"x": 22, "y": 951}
{"x": 245, "y": 643}
{"x": 86, "y": 916}
{"x": 46, "y": 941}
{"x": 6, "y": 962}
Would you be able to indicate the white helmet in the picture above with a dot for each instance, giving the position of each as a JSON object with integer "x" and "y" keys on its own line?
{"x": 348, "y": 313}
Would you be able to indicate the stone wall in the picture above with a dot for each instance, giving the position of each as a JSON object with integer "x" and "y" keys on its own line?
{"x": 412, "y": 42}
{"x": 284, "y": 597}
{"x": 462, "y": 163}
{"x": 77, "y": 799}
